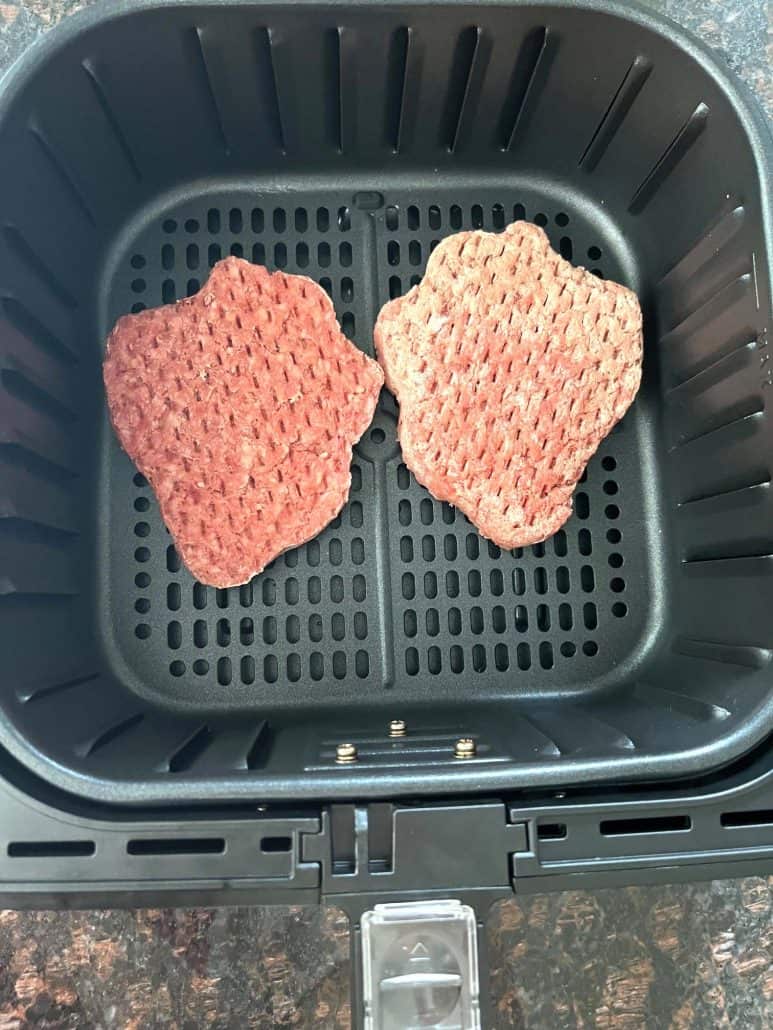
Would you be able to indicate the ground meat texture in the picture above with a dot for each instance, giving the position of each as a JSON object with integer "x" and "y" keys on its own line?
{"x": 510, "y": 367}
{"x": 241, "y": 405}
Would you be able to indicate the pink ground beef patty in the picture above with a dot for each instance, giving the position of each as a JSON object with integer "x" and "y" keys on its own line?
{"x": 510, "y": 367}
{"x": 241, "y": 405}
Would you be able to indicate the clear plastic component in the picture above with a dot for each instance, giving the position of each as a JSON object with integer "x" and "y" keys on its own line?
{"x": 420, "y": 967}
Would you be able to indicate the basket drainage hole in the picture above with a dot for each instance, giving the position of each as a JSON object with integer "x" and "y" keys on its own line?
{"x": 142, "y": 630}
{"x": 568, "y": 649}
{"x": 590, "y": 648}
{"x": 619, "y": 609}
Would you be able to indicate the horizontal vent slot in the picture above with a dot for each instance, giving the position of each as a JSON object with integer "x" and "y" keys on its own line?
{"x": 656, "y": 824}
{"x": 177, "y": 846}
{"x": 551, "y": 831}
{"x": 275, "y": 845}
{"x": 759, "y": 817}
{"x": 51, "y": 849}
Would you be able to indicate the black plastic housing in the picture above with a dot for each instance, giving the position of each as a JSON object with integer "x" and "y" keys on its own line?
{"x": 138, "y": 144}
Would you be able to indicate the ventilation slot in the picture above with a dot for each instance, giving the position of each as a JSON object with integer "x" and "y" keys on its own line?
{"x": 276, "y": 845}
{"x": 738, "y": 820}
{"x": 551, "y": 831}
{"x": 176, "y": 846}
{"x": 52, "y": 849}
{"x": 656, "y": 824}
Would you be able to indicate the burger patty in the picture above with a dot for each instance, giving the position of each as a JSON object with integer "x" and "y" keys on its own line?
{"x": 241, "y": 405}
{"x": 510, "y": 366}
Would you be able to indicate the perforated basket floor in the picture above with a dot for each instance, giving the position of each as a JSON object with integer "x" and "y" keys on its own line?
{"x": 401, "y": 591}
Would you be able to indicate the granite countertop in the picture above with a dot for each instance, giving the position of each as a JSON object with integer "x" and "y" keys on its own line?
{"x": 693, "y": 955}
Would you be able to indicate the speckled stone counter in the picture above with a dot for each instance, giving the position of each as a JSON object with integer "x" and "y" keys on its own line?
{"x": 693, "y": 955}
{"x": 689, "y": 956}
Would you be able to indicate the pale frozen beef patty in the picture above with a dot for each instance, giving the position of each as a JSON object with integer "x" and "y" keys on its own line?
{"x": 510, "y": 367}
{"x": 241, "y": 406}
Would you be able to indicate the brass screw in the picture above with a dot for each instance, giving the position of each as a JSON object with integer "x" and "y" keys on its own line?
{"x": 346, "y": 753}
{"x": 465, "y": 748}
{"x": 397, "y": 728}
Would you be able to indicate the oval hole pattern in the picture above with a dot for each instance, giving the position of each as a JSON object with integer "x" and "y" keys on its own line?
{"x": 461, "y": 607}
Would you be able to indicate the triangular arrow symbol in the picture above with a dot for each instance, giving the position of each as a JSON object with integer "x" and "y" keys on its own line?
{"x": 419, "y": 950}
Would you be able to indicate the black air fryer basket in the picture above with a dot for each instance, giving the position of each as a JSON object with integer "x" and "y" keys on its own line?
{"x": 622, "y": 669}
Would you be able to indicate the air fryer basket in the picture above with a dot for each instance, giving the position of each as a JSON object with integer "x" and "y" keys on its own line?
{"x": 139, "y": 146}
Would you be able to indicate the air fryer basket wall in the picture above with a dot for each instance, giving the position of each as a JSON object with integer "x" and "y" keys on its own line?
{"x": 138, "y": 147}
